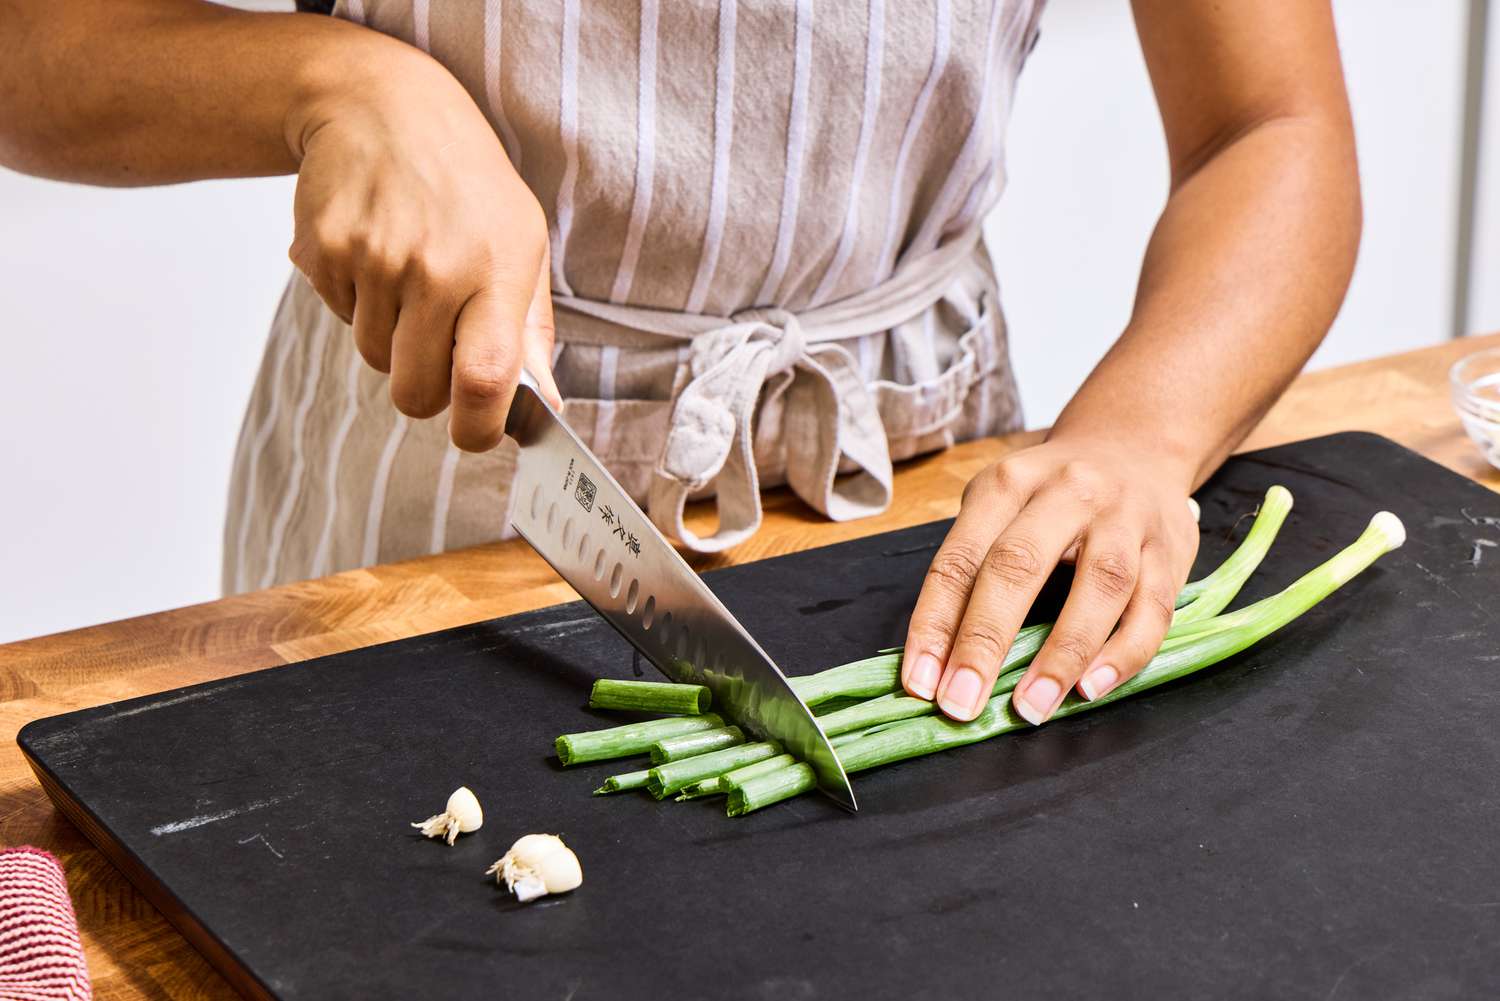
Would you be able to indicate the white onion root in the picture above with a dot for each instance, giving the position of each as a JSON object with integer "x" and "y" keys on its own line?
{"x": 536, "y": 865}
{"x": 461, "y": 816}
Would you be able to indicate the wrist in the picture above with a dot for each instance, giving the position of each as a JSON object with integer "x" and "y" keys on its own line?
{"x": 1168, "y": 459}
{"x": 363, "y": 72}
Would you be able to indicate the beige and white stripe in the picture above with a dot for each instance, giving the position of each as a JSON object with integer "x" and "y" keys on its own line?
{"x": 774, "y": 169}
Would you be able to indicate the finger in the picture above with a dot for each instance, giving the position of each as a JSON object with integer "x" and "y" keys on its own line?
{"x": 540, "y": 334}
{"x": 487, "y": 358}
{"x": 1108, "y": 570}
{"x": 1143, "y": 626}
{"x": 1013, "y": 571}
{"x": 374, "y": 322}
{"x": 422, "y": 355}
{"x": 332, "y": 283}
{"x": 990, "y": 504}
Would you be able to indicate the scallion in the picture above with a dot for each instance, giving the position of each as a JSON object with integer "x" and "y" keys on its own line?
{"x": 622, "y": 782}
{"x": 650, "y": 696}
{"x": 931, "y": 734}
{"x": 763, "y": 790}
{"x": 674, "y": 776}
{"x": 689, "y": 745}
{"x": 632, "y": 738}
{"x": 1213, "y": 593}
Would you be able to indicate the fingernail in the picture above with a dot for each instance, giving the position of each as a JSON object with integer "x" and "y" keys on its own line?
{"x": 961, "y": 698}
{"x": 1098, "y": 681}
{"x": 925, "y": 675}
{"x": 1040, "y": 698}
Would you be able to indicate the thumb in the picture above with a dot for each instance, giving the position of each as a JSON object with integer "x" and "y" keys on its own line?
{"x": 540, "y": 334}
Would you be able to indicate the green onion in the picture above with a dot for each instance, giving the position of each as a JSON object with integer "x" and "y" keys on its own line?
{"x": 1217, "y": 590}
{"x": 719, "y": 784}
{"x": 743, "y": 774}
{"x": 620, "y": 783}
{"x": 763, "y": 790}
{"x": 1211, "y": 645}
{"x": 873, "y": 713}
{"x": 690, "y": 745}
{"x": 871, "y": 722}
{"x": 632, "y": 738}
{"x": 677, "y": 775}
{"x": 881, "y": 674}
{"x": 650, "y": 696}
{"x": 860, "y": 679}
{"x": 698, "y": 790}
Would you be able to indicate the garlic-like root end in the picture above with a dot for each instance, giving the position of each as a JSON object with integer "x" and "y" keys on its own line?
{"x": 461, "y": 816}
{"x": 463, "y": 807}
{"x": 537, "y": 865}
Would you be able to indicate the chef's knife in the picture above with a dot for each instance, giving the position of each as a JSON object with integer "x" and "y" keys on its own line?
{"x": 582, "y": 522}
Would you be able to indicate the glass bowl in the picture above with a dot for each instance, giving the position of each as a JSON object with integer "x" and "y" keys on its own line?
{"x": 1475, "y": 383}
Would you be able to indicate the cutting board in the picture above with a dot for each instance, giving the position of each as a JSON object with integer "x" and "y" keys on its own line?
{"x": 1316, "y": 818}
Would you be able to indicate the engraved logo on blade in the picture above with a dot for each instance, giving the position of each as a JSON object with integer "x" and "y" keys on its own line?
{"x": 585, "y": 492}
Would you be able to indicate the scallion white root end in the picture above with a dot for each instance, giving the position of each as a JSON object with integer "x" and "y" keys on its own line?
{"x": 1390, "y": 526}
{"x": 460, "y": 816}
{"x": 536, "y": 865}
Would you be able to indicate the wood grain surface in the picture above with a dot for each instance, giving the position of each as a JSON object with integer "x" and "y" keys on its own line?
{"x": 133, "y": 953}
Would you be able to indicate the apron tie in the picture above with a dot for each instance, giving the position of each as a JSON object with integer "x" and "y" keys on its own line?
{"x": 830, "y": 416}
{"x": 757, "y": 357}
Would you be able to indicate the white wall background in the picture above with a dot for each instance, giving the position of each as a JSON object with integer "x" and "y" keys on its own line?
{"x": 134, "y": 320}
{"x": 1484, "y": 272}
{"x": 133, "y": 323}
{"x": 1088, "y": 175}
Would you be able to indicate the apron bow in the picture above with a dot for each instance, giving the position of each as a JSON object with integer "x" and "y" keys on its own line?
{"x": 830, "y": 418}
{"x": 838, "y": 457}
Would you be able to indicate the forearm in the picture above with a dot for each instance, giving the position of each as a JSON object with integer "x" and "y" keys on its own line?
{"x": 1241, "y": 280}
{"x": 128, "y": 92}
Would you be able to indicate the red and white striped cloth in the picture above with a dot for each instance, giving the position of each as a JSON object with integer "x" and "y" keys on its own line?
{"x": 41, "y": 957}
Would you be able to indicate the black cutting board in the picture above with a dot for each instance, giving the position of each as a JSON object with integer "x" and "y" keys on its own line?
{"x": 1316, "y": 818}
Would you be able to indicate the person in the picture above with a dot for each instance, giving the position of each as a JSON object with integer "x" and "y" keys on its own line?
{"x": 741, "y": 239}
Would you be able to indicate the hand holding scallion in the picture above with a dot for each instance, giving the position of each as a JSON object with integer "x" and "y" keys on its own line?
{"x": 1121, "y": 517}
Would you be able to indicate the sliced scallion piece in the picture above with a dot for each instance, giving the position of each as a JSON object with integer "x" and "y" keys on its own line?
{"x": 622, "y": 782}
{"x": 675, "y": 776}
{"x": 689, "y": 745}
{"x": 632, "y": 738}
{"x": 650, "y": 696}
{"x": 719, "y": 784}
{"x": 731, "y": 779}
{"x": 763, "y": 790}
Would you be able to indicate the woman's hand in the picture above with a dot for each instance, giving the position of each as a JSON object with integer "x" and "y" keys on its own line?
{"x": 412, "y": 225}
{"x": 1120, "y": 514}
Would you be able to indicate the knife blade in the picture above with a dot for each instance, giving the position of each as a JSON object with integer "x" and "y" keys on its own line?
{"x": 583, "y": 523}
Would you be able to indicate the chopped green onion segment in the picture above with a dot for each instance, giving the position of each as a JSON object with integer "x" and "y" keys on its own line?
{"x": 650, "y": 696}
{"x": 632, "y": 738}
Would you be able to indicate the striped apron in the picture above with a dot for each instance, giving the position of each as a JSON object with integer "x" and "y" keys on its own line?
{"x": 767, "y": 269}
